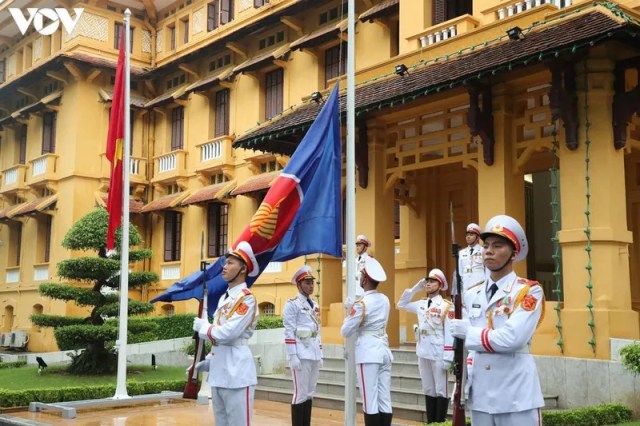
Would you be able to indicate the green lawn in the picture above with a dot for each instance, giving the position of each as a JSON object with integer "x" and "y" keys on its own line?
{"x": 55, "y": 377}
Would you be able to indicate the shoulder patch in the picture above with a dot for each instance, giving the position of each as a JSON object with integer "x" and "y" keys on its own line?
{"x": 531, "y": 283}
{"x": 242, "y": 309}
{"x": 451, "y": 315}
{"x": 246, "y": 291}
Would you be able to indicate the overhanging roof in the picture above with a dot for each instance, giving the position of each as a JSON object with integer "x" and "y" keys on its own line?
{"x": 34, "y": 107}
{"x": 319, "y": 36}
{"x": 135, "y": 206}
{"x": 211, "y": 193}
{"x": 209, "y": 81}
{"x": 166, "y": 202}
{"x": 166, "y": 97}
{"x": 135, "y": 100}
{"x": 34, "y": 206}
{"x": 261, "y": 61}
{"x": 564, "y": 37}
{"x": 384, "y": 8}
{"x": 256, "y": 183}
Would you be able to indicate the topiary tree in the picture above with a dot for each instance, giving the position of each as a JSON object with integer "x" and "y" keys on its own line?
{"x": 91, "y": 283}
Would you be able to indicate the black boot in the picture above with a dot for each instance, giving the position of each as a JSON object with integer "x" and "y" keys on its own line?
{"x": 386, "y": 419}
{"x": 431, "y": 408}
{"x": 371, "y": 419}
{"x": 297, "y": 414}
{"x": 308, "y": 404}
{"x": 441, "y": 409}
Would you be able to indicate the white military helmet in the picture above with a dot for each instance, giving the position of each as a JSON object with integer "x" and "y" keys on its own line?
{"x": 474, "y": 227}
{"x": 437, "y": 274}
{"x": 509, "y": 228}
{"x": 244, "y": 252}
{"x": 364, "y": 240}
{"x": 374, "y": 270}
{"x": 302, "y": 274}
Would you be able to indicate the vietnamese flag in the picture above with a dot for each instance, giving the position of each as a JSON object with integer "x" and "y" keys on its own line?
{"x": 115, "y": 142}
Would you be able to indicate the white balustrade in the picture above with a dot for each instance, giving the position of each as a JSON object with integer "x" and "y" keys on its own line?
{"x": 11, "y": 176}
{"x": 522, "y": 6}
{"x": 168, "y": 162}
{"x": 273, "y": 267}
{"x": 170, "y": 272}
{"x": 211, "y": 150}
{"x": 39, "y": 166}
{"x": 134, "y": 166}
{"x": 13, "y": 276}
{"x": 41, "y": 273}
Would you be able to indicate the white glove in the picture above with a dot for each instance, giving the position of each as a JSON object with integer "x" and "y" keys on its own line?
{"x": 198, "y": 323}
{"x": 459, "y": 327}
{"x": 420, "y": 285}
{"x": 201, "y": 366}
{"x": 348, "y": 304}
{"x": 321, "y": 363}
{"x": 446, "y": 365}
{"x": 294, "y": 362}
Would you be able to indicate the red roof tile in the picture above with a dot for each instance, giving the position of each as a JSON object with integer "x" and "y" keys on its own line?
{"x": 256, "y": 183}
{"x": 258, "y": 62}
{"x": 208, "y": 193}
{"x": 165, "y": 202}
{"x": 319, "y": 36}
{"x": 387, "y": 7}
{"x": 442, "y": 74}
{"x": 135, "y": 206}
{"x": 36, "y": 205}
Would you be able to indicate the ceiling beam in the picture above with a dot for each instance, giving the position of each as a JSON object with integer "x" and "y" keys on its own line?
{"x": 235, "y": 47}
{"x": 27, "y": 92}
{"x": 189, "y": 70}
{"x": 294, "y": 23}
{"x": 151, "y": 10}
{"x": 74, "y": 70}
{"x": 57, "y": 76}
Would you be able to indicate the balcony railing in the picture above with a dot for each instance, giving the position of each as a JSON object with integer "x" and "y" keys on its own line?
{"x": 446, "y": 30}
{"x": 514, "y": 7}
{"x": 211, "y": 150}
{"x": 215, "y": 152}
{"x": 168, "y": 162}
{"x": 137, "y": 169}
{"x": 12, "y": 275}
{"x": 42, "y": 168}
{"x": 170, "y": 272}
{"x": 13, "y": 178}
{"x": 170, "y": 165}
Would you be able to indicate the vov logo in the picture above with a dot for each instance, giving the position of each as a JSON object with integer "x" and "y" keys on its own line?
{"x": 53, "y": 18}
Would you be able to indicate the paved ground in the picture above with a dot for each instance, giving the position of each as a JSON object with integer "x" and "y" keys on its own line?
{"x": 181, "y": 412}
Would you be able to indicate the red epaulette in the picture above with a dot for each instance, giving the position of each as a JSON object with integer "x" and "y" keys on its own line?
{"x": 531, "y": 283}
{"x": 246, "y": 291}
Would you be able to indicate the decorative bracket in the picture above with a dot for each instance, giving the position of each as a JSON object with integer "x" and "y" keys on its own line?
{"x": 563, "y": 99}
{"x": 362, "y": 154}
{"x": 625, "y": 104}
{"x": 480, "y": 121}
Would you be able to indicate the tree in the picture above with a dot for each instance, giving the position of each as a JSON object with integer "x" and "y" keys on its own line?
{"x": 91, "y": 283}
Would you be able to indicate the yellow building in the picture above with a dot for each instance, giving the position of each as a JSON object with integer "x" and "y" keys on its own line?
{"x": 542, "y": 125}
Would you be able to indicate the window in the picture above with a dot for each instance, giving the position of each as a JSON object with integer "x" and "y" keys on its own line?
{"x": 177, "y": 128}
{"x": 443, "y": 10}
{"x": 168, "y": 310}
{"x": 46, "y": 236}
{"x": 212, "y": 16}
{"x": 267, "y": 309}
{"x": 49, "y": 132}
{"x": 217, "y": 229}
{"x": 273, "y": 93}
{"x": 226, "y": 11}
{"x": 118, "y": 31}
{"x": 2, "y": 71}
{"x": 172, "y": 235}
{"x": 185, "y": 31}
{"x": 222, "y": 113}
{"x": 172, "y": 38}
{"x": 7, "y": 322}
{"x": 259, "y": 3}
{"x": 396, "y": 220}
{"x": 22, "y": 142}
{"x": 335, "y": 62}
{"x": 15, "y": 244}
{"x": 271, "y": 40}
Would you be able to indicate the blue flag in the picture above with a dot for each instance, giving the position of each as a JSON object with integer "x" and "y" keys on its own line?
{"x": 301, "y": 213}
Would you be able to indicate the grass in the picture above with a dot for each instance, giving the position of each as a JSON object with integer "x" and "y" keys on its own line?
{"x": 56, "y": 377}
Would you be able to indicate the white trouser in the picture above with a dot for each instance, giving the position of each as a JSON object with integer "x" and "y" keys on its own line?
{"x": 375, "y": 387}
{"x": 521, "y": 418}
{"x": 305, "y": 380}
{"x": 434, "y": 377}
{"x": 232, "y": 407}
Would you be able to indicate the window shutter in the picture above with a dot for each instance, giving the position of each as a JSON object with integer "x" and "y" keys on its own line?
{"x": 226, "y": 11}
{"x": 222, "y": 113}
{"x": 168, "y": 236}
{"x": 212, "y": 15}
{"x": 439, "y": 11}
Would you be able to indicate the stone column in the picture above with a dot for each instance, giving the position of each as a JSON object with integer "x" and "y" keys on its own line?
{"x": 374, "y": 212}
{"x": 610, "y": 238}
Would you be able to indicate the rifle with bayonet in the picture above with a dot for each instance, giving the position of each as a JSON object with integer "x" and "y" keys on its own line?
{"x": 458, "y": 345}
{"x": 192, "y": 386}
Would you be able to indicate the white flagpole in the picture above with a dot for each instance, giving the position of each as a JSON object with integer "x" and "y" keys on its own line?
{"x": 350, "y": 364}
{"x": 121, "y": 386}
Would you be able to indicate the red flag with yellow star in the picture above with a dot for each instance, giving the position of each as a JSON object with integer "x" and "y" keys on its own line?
{"x": 115, "y": 143}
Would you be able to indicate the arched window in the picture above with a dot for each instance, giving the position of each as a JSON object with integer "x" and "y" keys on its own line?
{"x": 168, "y": 310}
{"x": 267, "y": 309}
{"x": 7, "y": 318}
{"x": 37, "y": 308}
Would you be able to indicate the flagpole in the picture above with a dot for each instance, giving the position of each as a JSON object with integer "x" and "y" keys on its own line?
{"x": 121, "y": 384}
{"x": 350, "y": 364}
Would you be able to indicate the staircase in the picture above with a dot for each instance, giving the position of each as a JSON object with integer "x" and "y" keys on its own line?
{"x": 406, "y": 390}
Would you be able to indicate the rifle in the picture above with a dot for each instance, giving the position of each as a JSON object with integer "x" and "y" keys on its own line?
{"x": 192, "y": 386}
{"x": 458, "y": 345}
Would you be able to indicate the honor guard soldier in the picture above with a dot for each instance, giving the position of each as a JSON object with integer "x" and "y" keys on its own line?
{"x": 367, "y": 319}
{"x": 232, "y": 372}
{"x": 434, "y": 345}
{"x": 470, "y": 264}
{"x": 501, "y": 315}
{"x": 301, "y": 319}
{"x": 362, "y": 245}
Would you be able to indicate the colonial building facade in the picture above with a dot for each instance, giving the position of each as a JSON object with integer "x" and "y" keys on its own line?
{"x": 523, "y": 107}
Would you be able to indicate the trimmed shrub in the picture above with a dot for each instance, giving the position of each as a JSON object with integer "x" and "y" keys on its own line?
{"x": 630, "y": 356}
{"x": 12, "y": 364}
{"x": 269, "y": 322}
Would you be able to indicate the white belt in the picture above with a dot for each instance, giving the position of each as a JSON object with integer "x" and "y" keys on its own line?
{"x": 377, "y": 333}
{"x": 238, "y": 342}
{"x": 523, "y": 350}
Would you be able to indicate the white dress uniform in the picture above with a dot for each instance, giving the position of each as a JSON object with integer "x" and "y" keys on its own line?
{"x": 232, "y": 371}
{"x": 434, "y": 345}
{"x": 301, "y": 319}
{"x": 368, "y": 319}
{"x": 360, "y": 261}
{"x": 503, "y": 382}
{"x": 471, "y": 266}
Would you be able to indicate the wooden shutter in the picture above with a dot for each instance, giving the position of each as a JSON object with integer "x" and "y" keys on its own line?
{"x": 168, "y": 235}
{"x": 226, "y": 11}
{"x": 439, "y": 11}
{"x": 47, "y": 238}
{"x": 222, "y": 113}
{"x": 23, "y": 144}
{"x": 49, "y": 132}
{"x": 212, "y": 15}
{"x": 274, "y": 93}
{"x": 177, "y": 128}
{"x": 2, "y": 71}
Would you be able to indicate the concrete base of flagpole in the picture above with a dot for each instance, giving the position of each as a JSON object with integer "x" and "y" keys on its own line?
{"x": 204, "y": 395}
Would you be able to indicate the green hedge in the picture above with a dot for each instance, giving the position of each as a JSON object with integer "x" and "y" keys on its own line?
{"x": 13, "y": 364}
{"x": 268, "y": 322}
{"x": 78, "y": 393}
{"x": 630, "y": 356}
{"x": 599, "y": 415}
